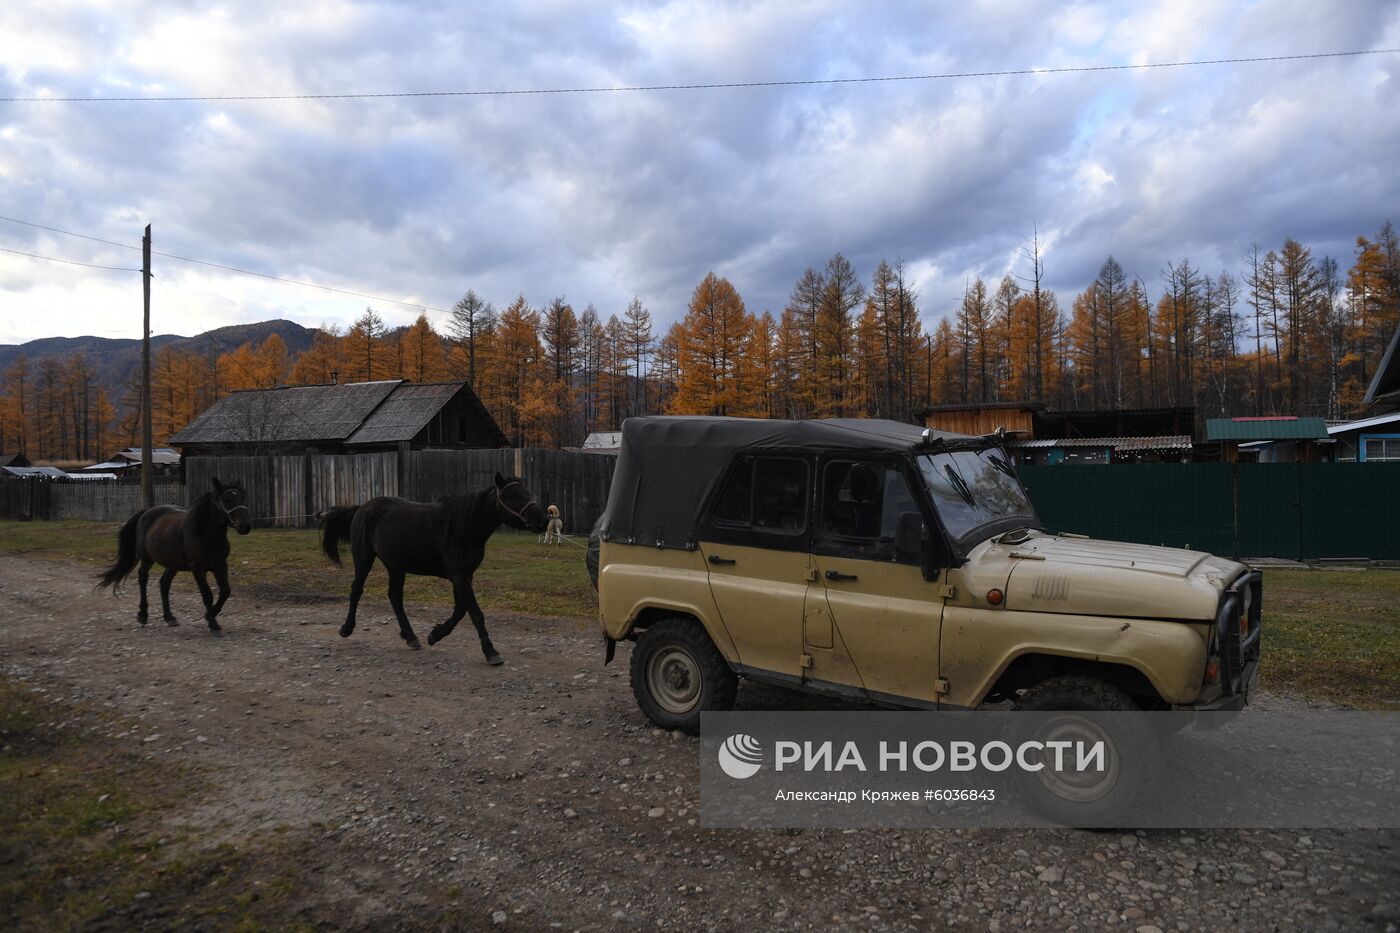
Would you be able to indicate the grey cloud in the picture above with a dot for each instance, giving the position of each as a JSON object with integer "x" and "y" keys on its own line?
{"x": 600, "y": 197}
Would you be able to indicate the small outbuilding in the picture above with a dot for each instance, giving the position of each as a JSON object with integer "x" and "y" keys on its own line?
{"x": 342, "y": 418}
{"x": 1271, "y": 438}
{"x": 14, "y": 460}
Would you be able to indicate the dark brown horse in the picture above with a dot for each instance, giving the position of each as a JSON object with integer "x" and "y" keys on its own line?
{"x": 179, "y": 539}
{"x": 444, "y": 539}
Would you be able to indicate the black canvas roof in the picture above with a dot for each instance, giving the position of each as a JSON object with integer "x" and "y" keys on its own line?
{"x": 668, "y": 465}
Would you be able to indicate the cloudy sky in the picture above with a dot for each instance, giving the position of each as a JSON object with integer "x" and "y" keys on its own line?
{"x": 601, "y": 196}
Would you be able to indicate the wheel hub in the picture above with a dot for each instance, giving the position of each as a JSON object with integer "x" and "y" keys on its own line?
{"x": 673, "y": 676}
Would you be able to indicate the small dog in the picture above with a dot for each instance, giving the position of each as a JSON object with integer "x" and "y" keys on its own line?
{"x": 554, "y": 533}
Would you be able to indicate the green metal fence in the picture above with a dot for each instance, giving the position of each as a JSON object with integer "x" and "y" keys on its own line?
{"x": 1302, "y": 511}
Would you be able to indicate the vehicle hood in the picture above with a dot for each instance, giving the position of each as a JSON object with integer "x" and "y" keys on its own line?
{"x": 1086, "y": 576}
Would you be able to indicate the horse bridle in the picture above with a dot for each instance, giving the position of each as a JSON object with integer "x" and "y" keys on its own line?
{"x": 228, "y": 513}
{"x": 501, "y": 502}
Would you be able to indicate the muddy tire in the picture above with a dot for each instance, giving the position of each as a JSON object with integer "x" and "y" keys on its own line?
{"x": 677, "y": 673}
{"x": 1092, "y": 798}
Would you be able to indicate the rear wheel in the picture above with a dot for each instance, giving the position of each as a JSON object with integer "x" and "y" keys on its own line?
{"x": 1094, "y": 796}
{"x": 677, "y": 672}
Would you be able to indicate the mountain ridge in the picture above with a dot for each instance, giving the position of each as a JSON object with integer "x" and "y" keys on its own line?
{"x": 117, "y": 360}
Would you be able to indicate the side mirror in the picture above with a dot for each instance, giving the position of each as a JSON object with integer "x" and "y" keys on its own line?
{"x": 909, "y": 537}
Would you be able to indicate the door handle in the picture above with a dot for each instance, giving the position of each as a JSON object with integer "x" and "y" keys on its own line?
{"x": 838, "y": 575}
{"x": 716, "y": 559}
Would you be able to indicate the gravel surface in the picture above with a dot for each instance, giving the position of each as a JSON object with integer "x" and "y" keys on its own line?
{"x": 536, "y": 796}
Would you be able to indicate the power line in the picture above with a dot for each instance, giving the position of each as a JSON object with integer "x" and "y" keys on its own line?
{"x": 216, "y": 265}
{"x": 806, "y": 82}
{"x": 70, "y": 262}
{"x": 84, "y": 236}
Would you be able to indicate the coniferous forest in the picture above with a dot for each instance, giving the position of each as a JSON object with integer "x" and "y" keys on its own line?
{"x": 1288, "y": 332}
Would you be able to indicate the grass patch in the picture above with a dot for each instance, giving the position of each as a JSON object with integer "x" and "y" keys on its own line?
{"x": 1333, "y": 634}
{"x": 519, "y": 574}
{"x": 82, "y": 843}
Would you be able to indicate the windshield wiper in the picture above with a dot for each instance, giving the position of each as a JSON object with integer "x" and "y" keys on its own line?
{"x": 1002, "y": 464}
{"x": 959, "y": 485}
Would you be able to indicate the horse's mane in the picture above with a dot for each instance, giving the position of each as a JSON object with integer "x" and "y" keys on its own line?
{"x": 454, "y": 513}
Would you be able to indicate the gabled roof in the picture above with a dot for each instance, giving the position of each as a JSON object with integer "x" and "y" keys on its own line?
{"x": 1385, "y": 387}
{"x": 353, "y": 413}
{"x": 1274, "y": 428}
{"x": 13, "y": 460}
{"x": 288, "y": 414}
{"x": 410, "y": 407}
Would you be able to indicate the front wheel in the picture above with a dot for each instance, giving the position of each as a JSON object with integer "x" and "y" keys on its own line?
{"x": 1086, "y": 710}
{"x": 677, "y": 672}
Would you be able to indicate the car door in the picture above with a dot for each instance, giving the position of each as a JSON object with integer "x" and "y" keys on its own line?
{"x": 755, "y": 540}
{"x": 868, "y": 559}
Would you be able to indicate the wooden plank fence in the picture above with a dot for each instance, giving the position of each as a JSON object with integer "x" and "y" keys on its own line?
{"x": 288, "y": 491}
{"x": 41, "y": 499}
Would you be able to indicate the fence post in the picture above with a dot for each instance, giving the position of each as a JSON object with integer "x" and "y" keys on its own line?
{"x": 308, "y": 501}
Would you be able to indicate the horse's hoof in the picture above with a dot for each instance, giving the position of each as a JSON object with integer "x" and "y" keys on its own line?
{"x": 141, "y": 617}
{"x": 433, "y": 638}
{"x": 495, "y": 660}
{"x": 217, "y": 632}
{"x": 345, "y": 631}
{"x": 171, "y": 620}
{"x": 415, "y": 644}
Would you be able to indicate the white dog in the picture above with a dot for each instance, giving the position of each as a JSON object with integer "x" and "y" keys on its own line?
{"x": 554, "y": 533}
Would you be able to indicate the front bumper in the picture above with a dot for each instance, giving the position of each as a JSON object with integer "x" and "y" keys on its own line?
{"x": 1238, "y": 634}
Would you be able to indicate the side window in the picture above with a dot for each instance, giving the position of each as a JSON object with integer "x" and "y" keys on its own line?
{"x": 764, "y": 494}
{"x": 868, "y": 512}
{"x": 735, "y": 503}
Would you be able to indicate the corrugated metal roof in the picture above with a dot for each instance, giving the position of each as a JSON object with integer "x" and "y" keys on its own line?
{"x": 982, "y": 406}
{"x": 1165, "y": 442}
{"x": 287, "y": 415}
{"x": 406, "y": 411}
{"x": 1266, "y": 429}
{"x": 50, "y": 472}
{"x": 162, "y": 455}
{"x": 1376, "y": 422}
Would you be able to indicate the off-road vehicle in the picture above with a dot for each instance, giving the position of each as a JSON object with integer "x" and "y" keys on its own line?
{"x": 881, "y": 562}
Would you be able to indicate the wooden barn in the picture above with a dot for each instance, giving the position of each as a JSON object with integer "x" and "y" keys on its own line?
{"x": 354, "y": 417}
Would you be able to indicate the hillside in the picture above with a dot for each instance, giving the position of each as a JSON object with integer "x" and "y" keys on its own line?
{"x": 117, "y": 361}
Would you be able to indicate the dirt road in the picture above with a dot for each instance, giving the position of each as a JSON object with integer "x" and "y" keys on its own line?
{"x": 431, "y": 790}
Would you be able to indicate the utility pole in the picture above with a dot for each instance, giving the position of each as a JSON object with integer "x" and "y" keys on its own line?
{"x": 148, "y": 480}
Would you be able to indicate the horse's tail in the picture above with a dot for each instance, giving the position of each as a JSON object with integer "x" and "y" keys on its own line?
{"x": 335, "y": 528}
{"x": 126, "y": 555}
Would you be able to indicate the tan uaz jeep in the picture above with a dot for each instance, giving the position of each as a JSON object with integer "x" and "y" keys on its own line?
{"x": 881, "y": 562}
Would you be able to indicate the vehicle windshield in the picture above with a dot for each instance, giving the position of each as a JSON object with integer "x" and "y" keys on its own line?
{"x": 971, "y": 488}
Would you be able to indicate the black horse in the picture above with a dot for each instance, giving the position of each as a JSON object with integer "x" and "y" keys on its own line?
{"x": 444, "y": 539}
{"x": 178, "y": 539}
